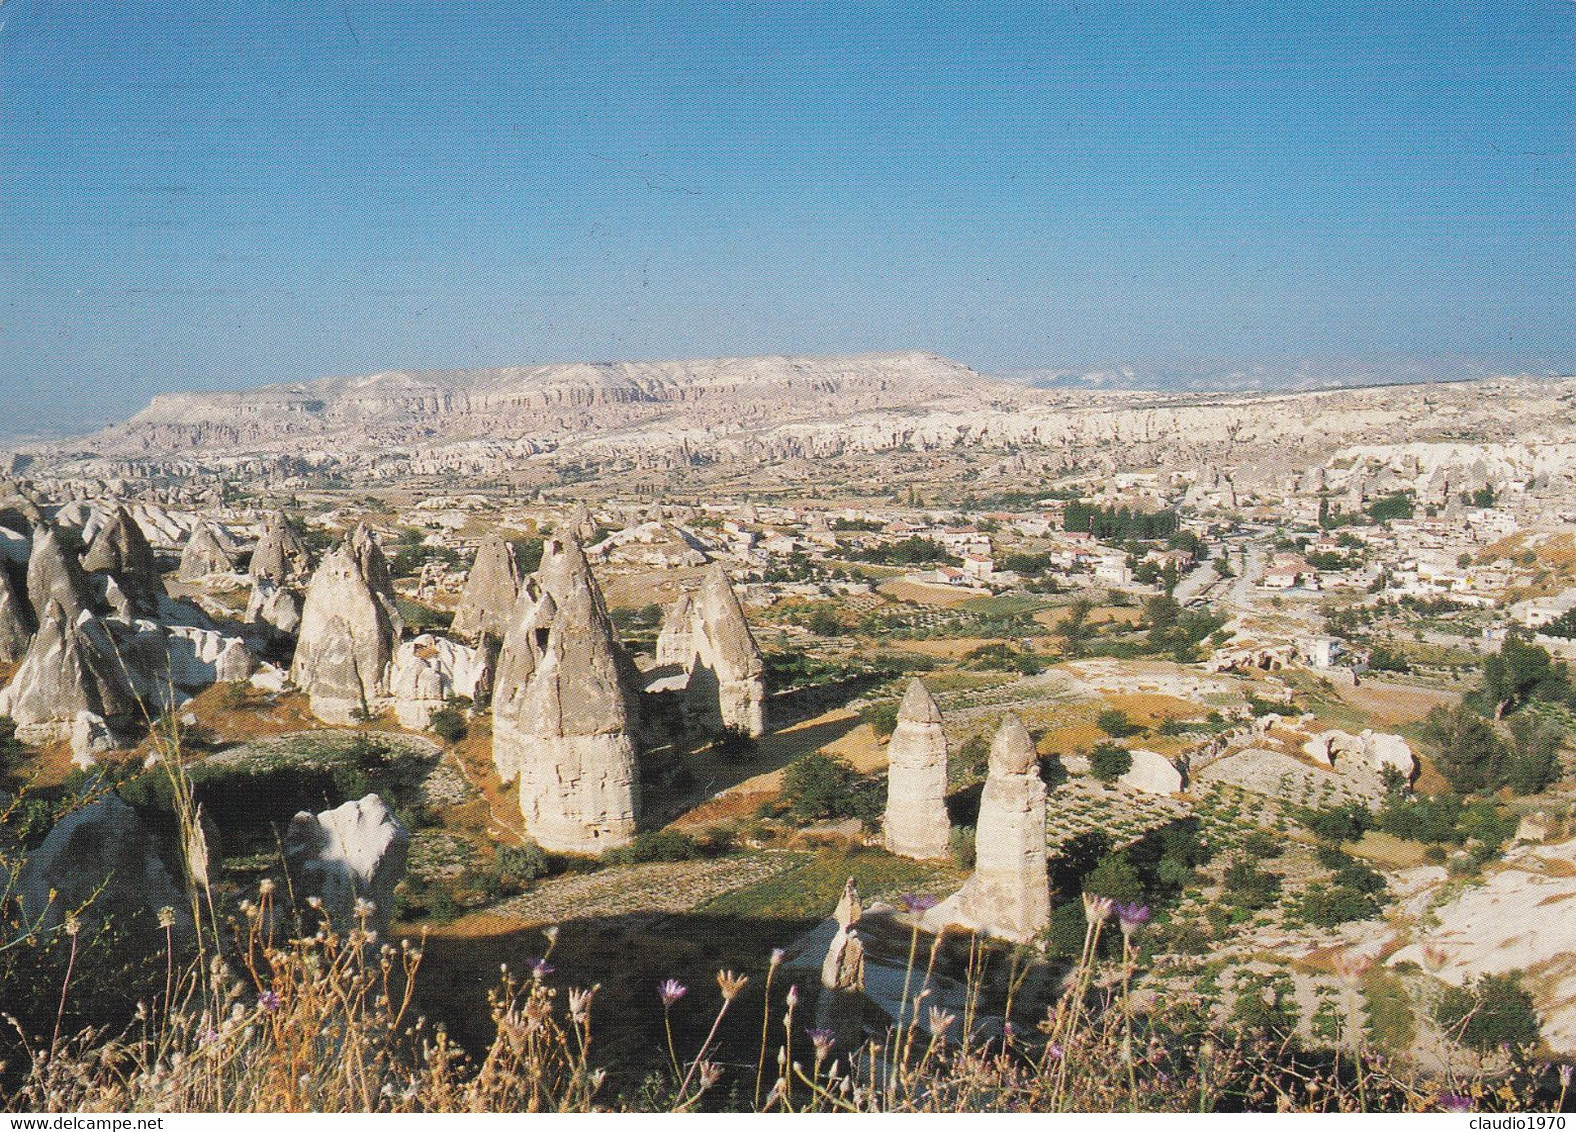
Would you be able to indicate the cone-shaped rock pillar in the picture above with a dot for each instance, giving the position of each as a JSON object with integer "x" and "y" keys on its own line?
{"x": 563, "y": 709}
{"x": 916, "y": 822}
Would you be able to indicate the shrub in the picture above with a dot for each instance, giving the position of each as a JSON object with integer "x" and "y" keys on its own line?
{"x": 518, "y": 865}
{"x": 656, "y": 845}
{"x": 1115, "y": 723}
{"x": 822, "y": 786}
{"x": 1337, "y": 823}
{"x": 882, "y": 717}
{"x": 1108, "y": 762}
{"x": 1495, "y": 1009}
{"x": 1245, "y": 885}
{"x": 448, "y": 724}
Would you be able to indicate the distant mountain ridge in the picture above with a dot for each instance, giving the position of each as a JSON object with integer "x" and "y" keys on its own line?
{"x": 1292, "y": 375}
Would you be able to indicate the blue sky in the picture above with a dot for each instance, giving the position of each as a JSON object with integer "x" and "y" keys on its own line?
{"x": 212, "y": 195}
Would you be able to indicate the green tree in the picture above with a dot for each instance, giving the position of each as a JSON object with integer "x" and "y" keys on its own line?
{"x": 1513, "y": 674}
{"x": 1108, "y": 762}
{"x": 1468, "y": 751}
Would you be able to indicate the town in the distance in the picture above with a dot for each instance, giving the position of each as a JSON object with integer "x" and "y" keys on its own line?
{"x": 974, "y": 711}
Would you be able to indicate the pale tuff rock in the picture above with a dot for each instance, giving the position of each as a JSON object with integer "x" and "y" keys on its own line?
{"x": 121, "y": 551}
{"x": 375, "y": 569}
{"x": 346, "y": 642}
{"x": 273, "y": 606}
{"x": 204, "y": 556}
{"x": 104, "y": 860}
{"x": 90, "y": 737}
{"x": 708, "y": 635}
{"x": 428, "y": 670}
{"x": 72, "y": 666}
{"x": 1008, "y": 895}
{"x": 1371, "y": 749}
{"x": 844, "y": 966}
{"x": 1152, "y": 773}
{"x": 562, "y": 710}
{"x": 490, "y": 592}
{"x": 676, "y": 640}
{"x": 280, "y": 556}
{"x": 916, "y": 822}
{"x": 342, "y": 856}
{"x": 16, "y": 617}
{"x": 54, "y": 574}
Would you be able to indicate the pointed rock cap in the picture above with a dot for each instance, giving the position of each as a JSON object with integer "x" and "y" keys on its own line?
{"x": 564, "y": 564}
{"x": 918, "y": 706}
{"x": 726, "y": 624}
{"x": 1012, "y": 751}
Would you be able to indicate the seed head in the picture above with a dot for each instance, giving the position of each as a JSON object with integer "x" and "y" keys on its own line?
{"x": 731, "y": 984}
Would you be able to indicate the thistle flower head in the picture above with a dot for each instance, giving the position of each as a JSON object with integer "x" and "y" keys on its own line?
{"x": 268, "y": 1001}
{"x": 940, "y": 1021}
{"x": 265, "y": 887}
{"x": 364, "y": 909}
{"x": 540, "y": 968}
{"x": 730, "y": 984}
{"x": 1096, "y": 907}
{"x": 580, "y": 1003}
{"x": 671, "y": 990}
{"x": 823, "y": 1040}
{"x": 793, "y": 995}
{"x": 710, "y": 1074}
{"x": 777, "y": 957}
{"x": 1133, "y": 916}
{"x": 1453, "y": 1102}
{"x": 917, "y": 902}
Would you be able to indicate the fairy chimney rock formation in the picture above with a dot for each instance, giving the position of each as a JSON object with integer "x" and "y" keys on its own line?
{"x": 374, "y": 565}
{"x": 70, "y": 667}
{"x": 490, "y": 592}
{"x": 580, "y": 524}
{"x": 54, "y": 574}
{"x": 916, "y": 822}
{"x": 121, "y": 550}
{"x": 844, "y": 966}
{"x": 1008, "y": 895}
{"x": 204, "y": 556}
{"x": 562, "y": 710}
{"x": 708, "y": 635}
{"x": 346, "y": 642}
{"x": 280, "y": 556}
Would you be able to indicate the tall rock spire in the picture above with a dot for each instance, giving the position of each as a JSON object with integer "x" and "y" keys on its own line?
{"x": 709, "y": 636}
{"x": 204, "y": 556}
{"x": 54, "y": 574}
{"x": 916, "y": 822}
{"x": 1008, "y": 895}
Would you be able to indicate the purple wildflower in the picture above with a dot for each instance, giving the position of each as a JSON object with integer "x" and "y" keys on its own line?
{"x": 540, "y": 968}
{"x": 1565, "y": 1075}
{"x": 1453, "y": 1102}
{"x": 671, "y": 991}
{"x": 1054, "y": 1051}
{"x": 916, "y": 902}
{"x": 268, "y": 1001}
{"x": 823, "y": 1040}
{"x": 1133, "y": 916}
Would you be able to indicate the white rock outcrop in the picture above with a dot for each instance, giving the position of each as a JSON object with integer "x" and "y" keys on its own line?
{"x": 1152, "y": 773}
{"x": 355, "y": 852}
{"x": 428, "y": 670}
{"x": 71, "y": 666}
{"x": 491, "y": 590}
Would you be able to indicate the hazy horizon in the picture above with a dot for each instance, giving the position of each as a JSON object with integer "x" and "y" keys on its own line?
{"x": 210, "y": 200}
